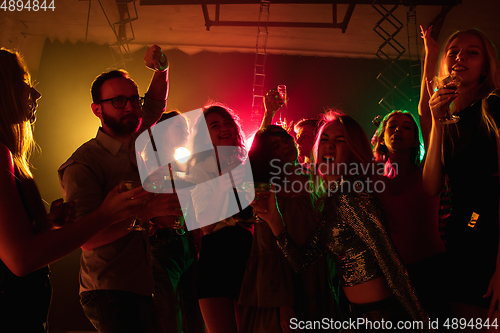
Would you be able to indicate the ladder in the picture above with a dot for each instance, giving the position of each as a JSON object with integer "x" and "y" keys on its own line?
{"x": 259, "y": 72}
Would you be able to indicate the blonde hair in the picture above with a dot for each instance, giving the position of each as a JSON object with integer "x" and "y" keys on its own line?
{"x": 16, "y": 132}
{"x": 490, "y": 83}
{"x": 355, "y": 139}
{"x": 15, "y": 128}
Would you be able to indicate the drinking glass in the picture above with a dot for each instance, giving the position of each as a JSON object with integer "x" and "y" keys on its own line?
{"x": 127, "y": 185}
{"x": 177, "y": 181}
{"x": 259, "y": 188}
{"x": 283, "y": 95}
{"x": 450, "y": 81}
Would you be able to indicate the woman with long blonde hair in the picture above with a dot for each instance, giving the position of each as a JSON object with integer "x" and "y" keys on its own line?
{"x": 467, "y": 152}
{"x": 28, "y": 239}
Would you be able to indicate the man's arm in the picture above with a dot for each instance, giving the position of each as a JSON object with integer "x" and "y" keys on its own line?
{"x": 81, "y": 185}
{"x": 156, "y": 96}
{"x": 158, "y": 87}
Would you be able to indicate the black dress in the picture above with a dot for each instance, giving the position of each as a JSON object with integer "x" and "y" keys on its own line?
{"x": 25, "y": 301}
{"x": 471, "y": 162}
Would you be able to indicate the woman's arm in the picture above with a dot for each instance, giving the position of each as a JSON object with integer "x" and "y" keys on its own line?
{"x": 433, "y": 175}
{"x": 272, "y": 104}
{"x": 430, "y": 66}
{"x": 300, "y": 257}
{"x": 24, "y": 252}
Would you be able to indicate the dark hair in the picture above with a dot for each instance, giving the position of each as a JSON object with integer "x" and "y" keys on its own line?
{"x": 165, "y": 149}
{"x": 99, "y": 81}
{"x": 314, "y": 123}
{"x": 168, "y": 115}
{"x": 260, "y": 155}
{"x": 200, "y": 133}
{"x": 416, "y": 152}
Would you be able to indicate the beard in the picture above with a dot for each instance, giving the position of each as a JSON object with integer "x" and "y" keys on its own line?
{"x": 127, "y": 124}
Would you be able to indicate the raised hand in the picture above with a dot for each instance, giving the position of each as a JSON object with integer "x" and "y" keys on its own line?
{"x": 155, "y": 59}
{"x": 431, "y": 46}
{"x": 272, "y": 101}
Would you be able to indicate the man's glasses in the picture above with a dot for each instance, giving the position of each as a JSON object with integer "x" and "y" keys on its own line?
{"x": 120, "y": 102}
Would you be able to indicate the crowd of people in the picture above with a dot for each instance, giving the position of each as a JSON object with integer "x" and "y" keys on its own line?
{"x": 276, "y": 258}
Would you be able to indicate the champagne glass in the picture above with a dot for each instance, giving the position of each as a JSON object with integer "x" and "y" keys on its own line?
{"x": 451, "y": 81}
{"x": 260, "y": 189}
{"x": 282, "y": 100}
{"x": 177, "y": 181}
{"x": 283, "y": 96}
{"x": 127, "y": 185}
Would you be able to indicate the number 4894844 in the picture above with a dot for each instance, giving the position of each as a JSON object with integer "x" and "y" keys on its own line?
{"x": 29, "y": 5}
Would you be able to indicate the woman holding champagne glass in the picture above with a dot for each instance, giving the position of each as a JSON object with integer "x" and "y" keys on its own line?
{"x": 467, "y": 151}
{"x": 29, "y": 238}
{"x": 271, "y": 292}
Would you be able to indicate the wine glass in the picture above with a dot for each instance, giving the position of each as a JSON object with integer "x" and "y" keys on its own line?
{"x": 450, "y": 81}
{"x": 127, "y": 185}
{"x": 259, "y": 188}
{"x": 177, "y": 181}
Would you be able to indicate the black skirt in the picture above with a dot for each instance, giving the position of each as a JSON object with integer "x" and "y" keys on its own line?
{"x": 223, "y": 258}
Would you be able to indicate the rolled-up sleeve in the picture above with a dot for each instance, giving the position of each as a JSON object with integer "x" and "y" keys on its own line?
{"x": 80, "y": 184}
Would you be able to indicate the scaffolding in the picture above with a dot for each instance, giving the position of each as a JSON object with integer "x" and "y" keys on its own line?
{"x": 414, "y": 54}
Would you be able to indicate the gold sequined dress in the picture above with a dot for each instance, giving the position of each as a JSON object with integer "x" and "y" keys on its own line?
{"x": 352, "y": 230}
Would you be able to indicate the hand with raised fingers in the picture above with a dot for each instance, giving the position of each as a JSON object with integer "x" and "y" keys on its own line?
{"x": 431, "y": 46}
{"x": 155, "y": 59}
{"x": 272, "y": 102}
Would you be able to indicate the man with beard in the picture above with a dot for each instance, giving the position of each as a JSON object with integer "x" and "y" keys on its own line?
{"x": 116, "y": 284}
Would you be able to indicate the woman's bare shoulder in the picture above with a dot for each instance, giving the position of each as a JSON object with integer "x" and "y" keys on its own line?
{"x": 6, "y": 160}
